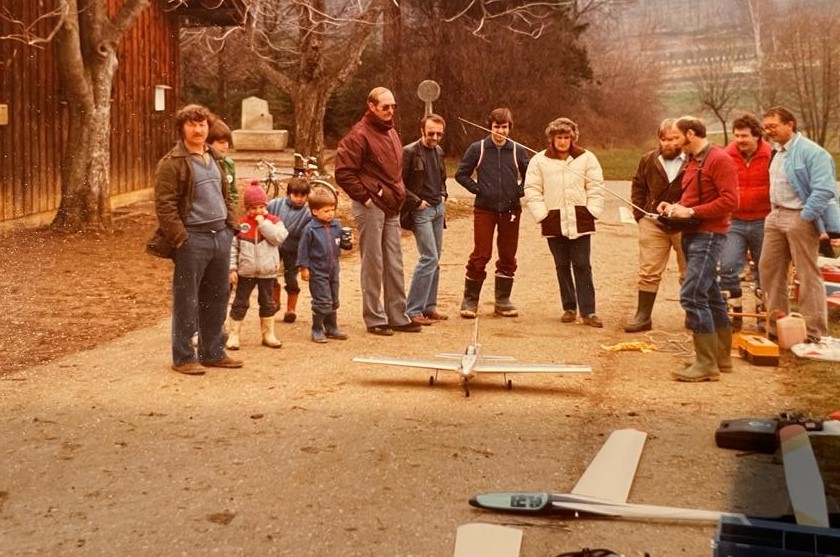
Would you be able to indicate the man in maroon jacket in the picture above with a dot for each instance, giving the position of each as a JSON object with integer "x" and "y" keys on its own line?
{"x": 710, "y": 193}
{"x": 368, "y": 166}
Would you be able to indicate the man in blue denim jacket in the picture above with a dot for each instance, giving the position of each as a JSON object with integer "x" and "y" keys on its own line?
{"x": 804, "y": 206}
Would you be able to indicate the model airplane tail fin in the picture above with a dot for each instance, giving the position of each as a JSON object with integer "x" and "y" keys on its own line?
{"x": 610, "y": 474}
{"x": 475, "y": 333}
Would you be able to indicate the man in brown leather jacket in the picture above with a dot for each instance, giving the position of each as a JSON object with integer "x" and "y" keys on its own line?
{"x": 657, "y": 179}
{"x": 197, "y": 219}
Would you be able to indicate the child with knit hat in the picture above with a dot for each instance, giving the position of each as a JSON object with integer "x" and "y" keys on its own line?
{"x": 254, "y": 260}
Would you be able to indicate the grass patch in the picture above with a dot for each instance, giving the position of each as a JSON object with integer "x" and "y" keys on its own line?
{"x": 619, "y": 163}
{"x": 816, "y": 383}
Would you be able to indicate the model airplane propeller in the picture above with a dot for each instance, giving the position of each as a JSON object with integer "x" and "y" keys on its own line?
{"x": 472, "y": 363}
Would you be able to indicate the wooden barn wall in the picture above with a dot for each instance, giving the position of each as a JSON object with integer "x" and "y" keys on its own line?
{"x": 32, "y": 143}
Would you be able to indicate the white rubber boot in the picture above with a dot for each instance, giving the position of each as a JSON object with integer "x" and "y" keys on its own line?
{"x": 233, "y": 336}
{"x": 267, "y": 330}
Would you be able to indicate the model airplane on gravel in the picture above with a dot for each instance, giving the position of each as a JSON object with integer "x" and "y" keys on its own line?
{"x": 472, "y": 363}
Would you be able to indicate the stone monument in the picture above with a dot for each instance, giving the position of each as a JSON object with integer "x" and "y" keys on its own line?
{"x": 258, "y": 133}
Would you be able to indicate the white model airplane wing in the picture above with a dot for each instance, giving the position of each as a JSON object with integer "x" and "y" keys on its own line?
{"x": 486, "y": 367}
{"x": 610, "y": 474}
{"x": 425, "y": 364}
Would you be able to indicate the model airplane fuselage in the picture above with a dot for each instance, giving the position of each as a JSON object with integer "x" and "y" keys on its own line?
{"x": 472, "y": 363}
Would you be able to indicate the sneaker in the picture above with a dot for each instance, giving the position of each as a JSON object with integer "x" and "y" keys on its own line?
{"x": 435, "y": 316}
{"x": 190, "y": 368}
{"x": 568, "y": 317}
{"x": 410, "y": 327}
{"x": 421, "y": 320}
{"x": 593, "y": 321}
{"x": 381, "y": 330}
{"x": 225, "y": 362}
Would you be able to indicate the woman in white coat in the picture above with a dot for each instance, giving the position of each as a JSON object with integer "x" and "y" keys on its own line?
{"x": 564, "y": 193}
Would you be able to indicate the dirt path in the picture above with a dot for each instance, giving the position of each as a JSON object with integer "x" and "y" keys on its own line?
{"x": 303, "y": 452}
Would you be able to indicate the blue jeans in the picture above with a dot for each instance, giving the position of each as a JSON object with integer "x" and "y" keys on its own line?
{"x": 743, "y": 235}
{"x": 572, "y": 256}
{"x": 700, "y": 295}
{"x": 428, "y": 233}
{"x": 200, "y": 294}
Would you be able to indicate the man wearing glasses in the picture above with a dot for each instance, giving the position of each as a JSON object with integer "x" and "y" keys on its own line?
{"x": 424, "y": 174}
{"x": 368, "y": 166}
{"x": 804, "y": 206}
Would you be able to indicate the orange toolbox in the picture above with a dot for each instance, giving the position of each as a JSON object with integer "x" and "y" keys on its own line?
{"x": 758, "y": 350}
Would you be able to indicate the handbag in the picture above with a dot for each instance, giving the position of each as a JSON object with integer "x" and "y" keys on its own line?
{"x": 159, "y": 246}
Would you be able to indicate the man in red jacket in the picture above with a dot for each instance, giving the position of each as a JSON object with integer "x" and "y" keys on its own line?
{"x": 710, "y": 193}
{"x": 751, "y": 156}
{"x": 368, "y": 166}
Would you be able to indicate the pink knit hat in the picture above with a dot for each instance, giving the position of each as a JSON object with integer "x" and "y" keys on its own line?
{"x": 254, "y": 195}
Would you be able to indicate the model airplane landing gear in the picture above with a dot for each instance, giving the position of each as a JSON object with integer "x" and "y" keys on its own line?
{"x": 509, "y": 384}
{"x": 466, "y": 388}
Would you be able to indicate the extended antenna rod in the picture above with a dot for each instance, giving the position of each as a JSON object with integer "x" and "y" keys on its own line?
{"x": 574, "y": 171}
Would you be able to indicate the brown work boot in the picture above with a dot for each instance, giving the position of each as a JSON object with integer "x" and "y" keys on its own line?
{"x": 190, "y": 368}
{"x": 225, "y": 362}
{"x": 568, "y": 317}
{"x": 593, "y": 321}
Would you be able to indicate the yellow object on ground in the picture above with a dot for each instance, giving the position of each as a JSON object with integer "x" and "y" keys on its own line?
{"x": 635, "y": 346}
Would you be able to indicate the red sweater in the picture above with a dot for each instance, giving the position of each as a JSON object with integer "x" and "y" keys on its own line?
{"x": 717, "y": 195}
{"x": 753, "y": 182}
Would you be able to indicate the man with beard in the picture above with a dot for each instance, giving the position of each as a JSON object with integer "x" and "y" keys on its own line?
{"x": 368, "y": 166}
{"x": 658, "y": 178}
{"x": 500, "y": 166}
{"x": 424, "y": 174}
{"x": 751, "y": 156}
{"x": 709, "y": 193}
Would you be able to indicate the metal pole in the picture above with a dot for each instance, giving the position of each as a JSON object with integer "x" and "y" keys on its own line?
{"x": 572, "y": 170}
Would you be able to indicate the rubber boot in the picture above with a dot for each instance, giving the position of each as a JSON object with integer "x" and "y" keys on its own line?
{"x": 291, "y": 306}
{"x": 641, "y": 321}
{"x": 737, "y": 307}
{"x": 267, "y": 330}
{"x": 472, "y": 291}
{"x": 318, "y": 328}
{"x": 704, "y": 367}
{"x": 504, "y": 306}
{"x": 233, "y": 337}
{"x": 331, "y": 327}
{"x": 724, "y": 350}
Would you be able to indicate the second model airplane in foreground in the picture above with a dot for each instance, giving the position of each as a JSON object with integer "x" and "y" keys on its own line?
{"x": 472, "y": 363}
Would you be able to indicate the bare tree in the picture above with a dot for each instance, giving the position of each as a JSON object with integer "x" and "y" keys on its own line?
{"x": 805, "y": 68}
{"x": 307, "y": 49}
{"x": 718, "y": 85}
{"x": 85, "y": 39}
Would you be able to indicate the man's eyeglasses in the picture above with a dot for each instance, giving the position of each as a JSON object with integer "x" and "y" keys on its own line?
{"x": 434, "y": 134}
{"x": 389, "y": 106}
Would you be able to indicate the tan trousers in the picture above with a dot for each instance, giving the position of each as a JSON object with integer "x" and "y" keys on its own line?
{"x": 787, "y": 237}
{"x": 654, "y": 251}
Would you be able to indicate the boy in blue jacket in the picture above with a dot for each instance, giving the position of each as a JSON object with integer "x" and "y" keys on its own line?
{"x": 318, "y": 252}
{"x": 294, "y": 213}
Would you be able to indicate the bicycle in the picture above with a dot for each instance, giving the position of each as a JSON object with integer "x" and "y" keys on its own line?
{"x": 304, "y": 167}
